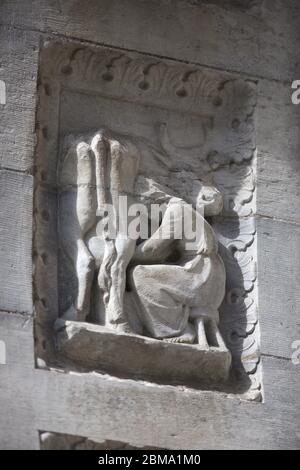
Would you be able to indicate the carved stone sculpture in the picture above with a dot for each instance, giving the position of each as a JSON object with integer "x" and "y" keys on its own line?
{"x": 176, "y": 291}
{"x": 186, "y": 125}
{"x": 106, "y": 169}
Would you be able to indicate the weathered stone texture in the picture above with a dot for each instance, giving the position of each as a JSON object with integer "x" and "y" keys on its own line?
{"x": 18, "y": 69}
{"x": 278, "y": 280}
{"x": 278, "y": 144}
{"x": 259, "y": 40}
{"x": 95, "y": 348}
{"x": 172, "y": 418}
{"x": 16, "y": 193}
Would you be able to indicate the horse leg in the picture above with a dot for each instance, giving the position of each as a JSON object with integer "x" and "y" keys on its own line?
{"x": 214, "y": 334}
{"x": 200, "y": 328}
{"x": 84, "y": 266}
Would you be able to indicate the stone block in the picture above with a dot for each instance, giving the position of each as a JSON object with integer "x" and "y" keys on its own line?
{"x": 93, "y": 347}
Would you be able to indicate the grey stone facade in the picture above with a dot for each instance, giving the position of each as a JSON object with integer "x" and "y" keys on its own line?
{"x": 219, "y": 70}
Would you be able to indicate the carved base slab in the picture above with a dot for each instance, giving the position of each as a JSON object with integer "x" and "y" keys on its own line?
{"x": 95, "y": 348}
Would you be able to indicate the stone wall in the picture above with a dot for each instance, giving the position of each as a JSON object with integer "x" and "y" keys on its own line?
{"x": 253, "y": 41}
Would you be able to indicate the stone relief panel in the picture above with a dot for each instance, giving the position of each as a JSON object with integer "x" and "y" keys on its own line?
{"x": 123, "y": 127}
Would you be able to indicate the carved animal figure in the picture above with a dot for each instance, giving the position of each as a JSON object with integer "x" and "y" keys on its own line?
{"x": 106, "y": 169}
{"x": 177, "y": 290}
